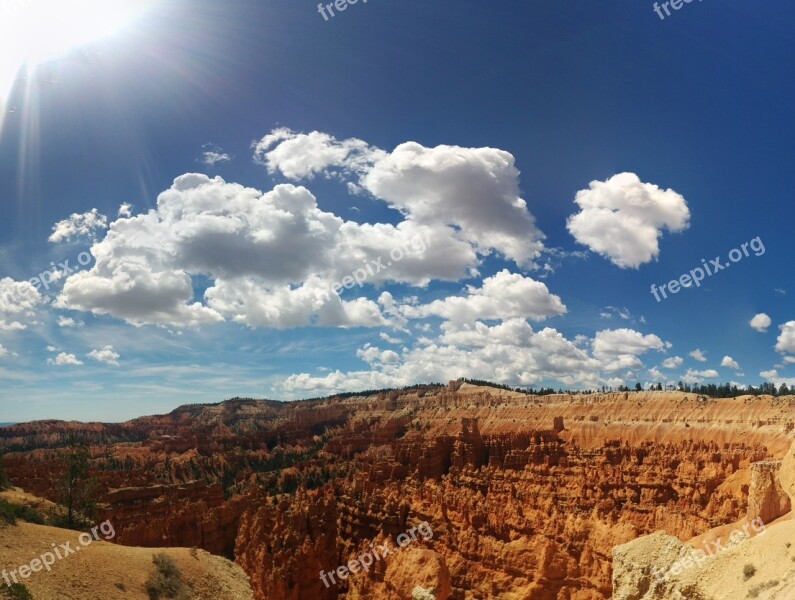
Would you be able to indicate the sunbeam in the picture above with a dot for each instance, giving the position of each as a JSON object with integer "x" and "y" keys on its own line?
{"x": 36, "y": 32}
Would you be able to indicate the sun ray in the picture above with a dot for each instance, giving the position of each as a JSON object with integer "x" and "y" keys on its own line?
{"x": 38, "y": 32}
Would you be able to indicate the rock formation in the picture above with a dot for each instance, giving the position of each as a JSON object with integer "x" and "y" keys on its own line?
{"x": 752, "y": 558}
{"x": 526, "y": 496}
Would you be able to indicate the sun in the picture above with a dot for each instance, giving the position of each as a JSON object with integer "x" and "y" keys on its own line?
{"x": 33, "y": 32}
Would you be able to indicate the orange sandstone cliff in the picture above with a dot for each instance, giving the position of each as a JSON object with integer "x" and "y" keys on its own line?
{"x": 526, "y": 496}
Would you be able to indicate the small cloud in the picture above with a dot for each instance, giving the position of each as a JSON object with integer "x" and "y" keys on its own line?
{"x": 4, "y": 352}
{"x": 69, "y": 322}
{"x": 693, "y": 376}
{"x": 125, "y": 210}
{"x": 698, "y": 355}
{"x": 64, "y": 359}
{"x": 656, "y": 375}
{"x": 355, "y": 190}
{"x": 780, "y": 291}
{"x": 390, "y": 340}
{"x": 761, "y": 322}
{"x": 610, "y": 312}
{"x": 214, "y": 156}
{"x": 78, "y": 226}
{"x": 52, "y": 349}
{"x": 771, "y": 374}
{"x": 729, "y": 362}
{"x": 673, "y": 363}
{"x": 106, "y": 355}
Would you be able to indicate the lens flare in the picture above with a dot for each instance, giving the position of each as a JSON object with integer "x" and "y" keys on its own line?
{"x": 34, "y": 32}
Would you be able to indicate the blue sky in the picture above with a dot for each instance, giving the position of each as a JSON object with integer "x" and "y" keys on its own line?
{"x": 460, "y": 132}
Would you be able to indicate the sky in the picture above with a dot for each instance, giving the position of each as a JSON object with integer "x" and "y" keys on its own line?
{"x": 203, "y": 200}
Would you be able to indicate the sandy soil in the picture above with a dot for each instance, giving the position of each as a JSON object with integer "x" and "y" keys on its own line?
{"x": 104, "y": 570}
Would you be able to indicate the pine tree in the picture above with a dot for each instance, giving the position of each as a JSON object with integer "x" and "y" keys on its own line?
{"x": 76, "y": 490}
{"x": 4, "y": 483}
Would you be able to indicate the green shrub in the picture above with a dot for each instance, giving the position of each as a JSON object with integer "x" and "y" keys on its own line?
{"x": 17, "y": 591}
{"x": 10, "y": 513}
{"x": 758, "y": 589}
{"x": 166, "y": 581}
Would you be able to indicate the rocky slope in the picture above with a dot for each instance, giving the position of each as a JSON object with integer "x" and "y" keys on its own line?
{"x": 752, "y": 558}
{"x": 526, "y": 496}
{"x": 102, "y": 569}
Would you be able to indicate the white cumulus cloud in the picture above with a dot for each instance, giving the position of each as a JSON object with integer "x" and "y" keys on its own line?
{"x": 503, "y": 296}
{"x": 786, "y": 339}
{"x": 674, "y": 362}
{"x": 63, "y": 359}
{"x": 623, "y": 218}
{"x": 475, "y": 190}
{"x": 78, "y": 225}
{"x": 729, "y": 362}
{"x": 18, "y": 300}
{"x": 694, "y": 376}
{"x": 105, "y": 355}
{"x": 761, "y": 322}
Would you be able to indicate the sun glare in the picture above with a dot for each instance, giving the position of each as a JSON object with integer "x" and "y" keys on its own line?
{"x": 34, "y": 32}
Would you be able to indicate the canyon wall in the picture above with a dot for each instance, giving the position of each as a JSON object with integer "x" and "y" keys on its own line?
{"x": 526, "y": 496}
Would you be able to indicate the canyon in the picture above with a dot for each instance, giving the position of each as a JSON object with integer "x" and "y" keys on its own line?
{"x": 527, "y": 496}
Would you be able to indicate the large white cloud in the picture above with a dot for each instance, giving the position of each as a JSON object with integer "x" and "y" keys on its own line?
{"x": 253, "y": 302}
{"x": 619, "y": 349}
{"x": 18, "y": 299}
{"x": 304, "y": 155}
{"x": 786, "y": 339}
{"x": 510, "y": 352}
{"x": 623, "y": 218}
{"x": 475, "y": 190}
{"x": 503, "y": 296}
{"x": 272, "y": 260}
